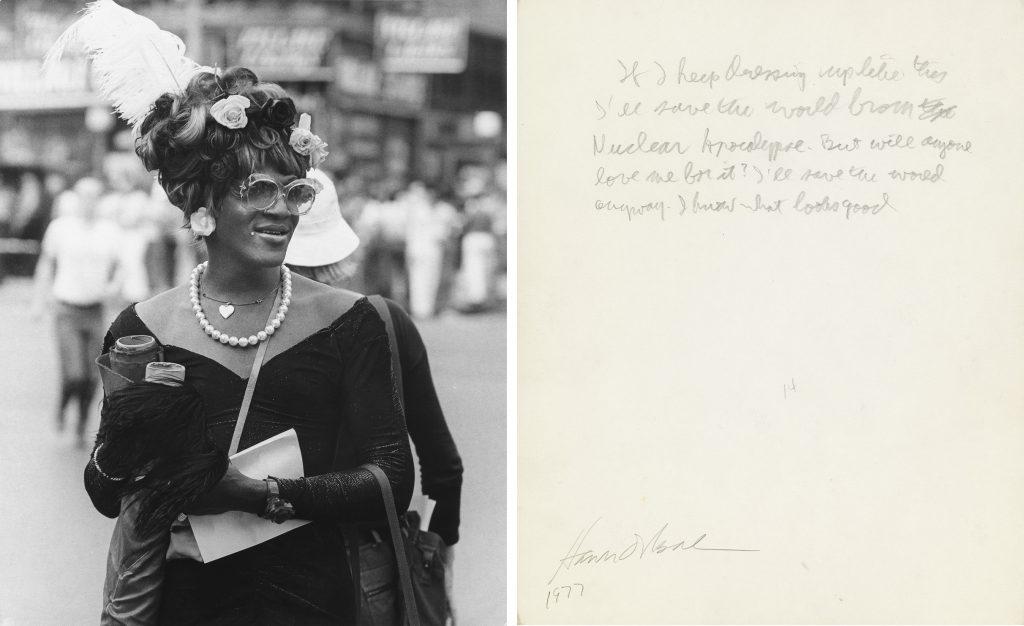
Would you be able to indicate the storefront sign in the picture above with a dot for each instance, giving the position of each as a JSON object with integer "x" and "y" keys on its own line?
{"x": 420, "y": 44}
{"x": 292, "y": 47}
{"x": 23, "y": 76}
{"x": 24, "y": 87}
{"x": 359, "y": 77}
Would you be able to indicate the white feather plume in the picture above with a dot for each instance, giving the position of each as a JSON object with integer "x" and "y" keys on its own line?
{"x": 133, "y": 60}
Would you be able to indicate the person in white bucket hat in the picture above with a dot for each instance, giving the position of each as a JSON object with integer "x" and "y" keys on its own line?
{"x": 321, "y": 243}
{"x": 322, "y": 239}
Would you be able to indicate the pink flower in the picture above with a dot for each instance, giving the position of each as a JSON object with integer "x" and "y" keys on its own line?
{"x": 230, "y": 111}
{"x": 318, "y": 154}
{"x": 304, "y": 142}
{"x": 201, "y": 222}
{"x": 302, "y": 138}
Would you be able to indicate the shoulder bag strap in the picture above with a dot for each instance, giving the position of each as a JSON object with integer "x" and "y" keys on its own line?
{"x": 396, "y": 361}
{"x": 243, "y": 412}
{"x": 412, "y": 615}
{"x": 351, "y": 537}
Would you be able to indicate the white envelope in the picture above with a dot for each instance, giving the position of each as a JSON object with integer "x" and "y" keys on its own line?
{"x": 227, "y": 533}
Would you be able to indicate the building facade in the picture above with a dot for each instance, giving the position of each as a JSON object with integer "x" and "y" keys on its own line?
{"x": 371, "y": 73}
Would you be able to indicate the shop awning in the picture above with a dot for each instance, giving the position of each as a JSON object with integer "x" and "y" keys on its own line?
{"x": 48, "y": 101}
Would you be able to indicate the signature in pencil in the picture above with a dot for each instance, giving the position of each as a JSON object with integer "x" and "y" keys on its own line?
{"x": 638, "y": 548}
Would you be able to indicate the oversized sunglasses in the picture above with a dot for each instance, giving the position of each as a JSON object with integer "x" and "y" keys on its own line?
{"x": 260, "y": 192}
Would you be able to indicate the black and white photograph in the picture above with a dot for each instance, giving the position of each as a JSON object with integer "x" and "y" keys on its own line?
{"x": 492, "y": 312}
{"x": 253, "y": 267}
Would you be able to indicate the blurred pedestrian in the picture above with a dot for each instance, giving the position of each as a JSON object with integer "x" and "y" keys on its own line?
{"x": 29, "y": 205}
{"x": 129, "y": 207}
{"x": 479, "y": 255}
{"x": 452, "y": 253}
{"x": 429, "y": 226}
{"x": 320, "y": 245}
{"x": 169, "y": 255}
{"x": 76, "y": 274}
{"x": 8, "y": 199}
{"x": 499, "y": 197}
{"x": 353, "y": 198}
{"x": 382, "y": 226}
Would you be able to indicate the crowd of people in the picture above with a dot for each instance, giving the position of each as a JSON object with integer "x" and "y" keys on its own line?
{"x": 432, "y": 251}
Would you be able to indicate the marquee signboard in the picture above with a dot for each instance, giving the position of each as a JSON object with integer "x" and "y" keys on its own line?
{"x": 421, "y": 44}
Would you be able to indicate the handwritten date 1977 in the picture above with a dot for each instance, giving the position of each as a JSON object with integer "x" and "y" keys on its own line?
{"x": 563, "y": 592}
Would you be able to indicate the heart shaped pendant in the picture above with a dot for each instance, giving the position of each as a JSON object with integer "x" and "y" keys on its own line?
{"x": 226, "y": 310}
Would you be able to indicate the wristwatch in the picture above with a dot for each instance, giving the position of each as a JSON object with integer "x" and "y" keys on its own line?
{"x": 277, "y": 509}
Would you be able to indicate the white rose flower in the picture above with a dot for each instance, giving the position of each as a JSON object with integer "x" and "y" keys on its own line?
{"x": 302, "y": 141}
{"x": 230, "y": 111}
{"x": 318, "y": 153}
{"x": 201, "y": 222}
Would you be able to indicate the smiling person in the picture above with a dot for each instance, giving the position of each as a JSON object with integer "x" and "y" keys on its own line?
{"x": 230, "y": 155}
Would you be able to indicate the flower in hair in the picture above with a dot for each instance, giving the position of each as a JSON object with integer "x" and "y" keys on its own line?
{"x": 280, "y": 113}
{"x": 230, "y": 111}
{"x": 201, "y": 222}
{"x": 319, "y": 153}
{"x": 306, "y": 143}
{"x": 302, "y": 138}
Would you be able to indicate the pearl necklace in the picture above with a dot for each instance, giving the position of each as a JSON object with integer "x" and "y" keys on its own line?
{"x": 251, "y": 340}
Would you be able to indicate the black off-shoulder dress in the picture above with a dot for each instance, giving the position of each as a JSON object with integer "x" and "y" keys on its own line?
{"x": 336, "y": 389}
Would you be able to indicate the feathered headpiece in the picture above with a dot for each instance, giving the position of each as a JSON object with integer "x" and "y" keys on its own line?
{"x": 133, "y": 60}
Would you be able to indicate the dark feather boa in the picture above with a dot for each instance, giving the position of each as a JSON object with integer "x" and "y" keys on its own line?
{"x": 156, "y": 436}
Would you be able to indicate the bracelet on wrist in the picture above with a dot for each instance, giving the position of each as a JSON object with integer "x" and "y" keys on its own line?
{"x": 99, "y": 469}
{"x": 115, "y": 479}
{"x": 96, "y": 464}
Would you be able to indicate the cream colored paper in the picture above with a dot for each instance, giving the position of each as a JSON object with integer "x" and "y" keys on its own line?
{"x": 841, "y": 392}
{"x": 227, "y": 533}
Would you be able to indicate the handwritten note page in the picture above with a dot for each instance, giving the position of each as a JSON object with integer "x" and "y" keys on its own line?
{"x": 771, "y": 312}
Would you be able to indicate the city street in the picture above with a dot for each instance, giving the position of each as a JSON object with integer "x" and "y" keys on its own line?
{"x": 53, "y": 543}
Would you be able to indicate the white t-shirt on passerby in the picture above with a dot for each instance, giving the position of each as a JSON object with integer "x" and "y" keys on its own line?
{"x": 131, "y": 212}
{"x": 86, "y": 254}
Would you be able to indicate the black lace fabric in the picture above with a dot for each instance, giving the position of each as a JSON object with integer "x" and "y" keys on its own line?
{"x": 374, "y": 433}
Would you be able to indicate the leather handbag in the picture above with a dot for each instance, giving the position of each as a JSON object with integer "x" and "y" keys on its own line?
{"x": 418, "y": 553}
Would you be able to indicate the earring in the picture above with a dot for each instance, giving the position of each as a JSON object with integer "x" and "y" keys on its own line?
{"x": 252, "y": 233}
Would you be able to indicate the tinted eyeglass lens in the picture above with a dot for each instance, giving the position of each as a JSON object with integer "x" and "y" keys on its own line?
{"x": 300, "y": 198}
{"x": 262, "y": 194}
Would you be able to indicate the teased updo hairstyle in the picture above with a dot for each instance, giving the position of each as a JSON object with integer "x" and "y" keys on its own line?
{"x": 198, "y": 159}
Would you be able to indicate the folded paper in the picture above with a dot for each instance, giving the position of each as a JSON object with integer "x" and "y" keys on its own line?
{"x": 234, "y": 531}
